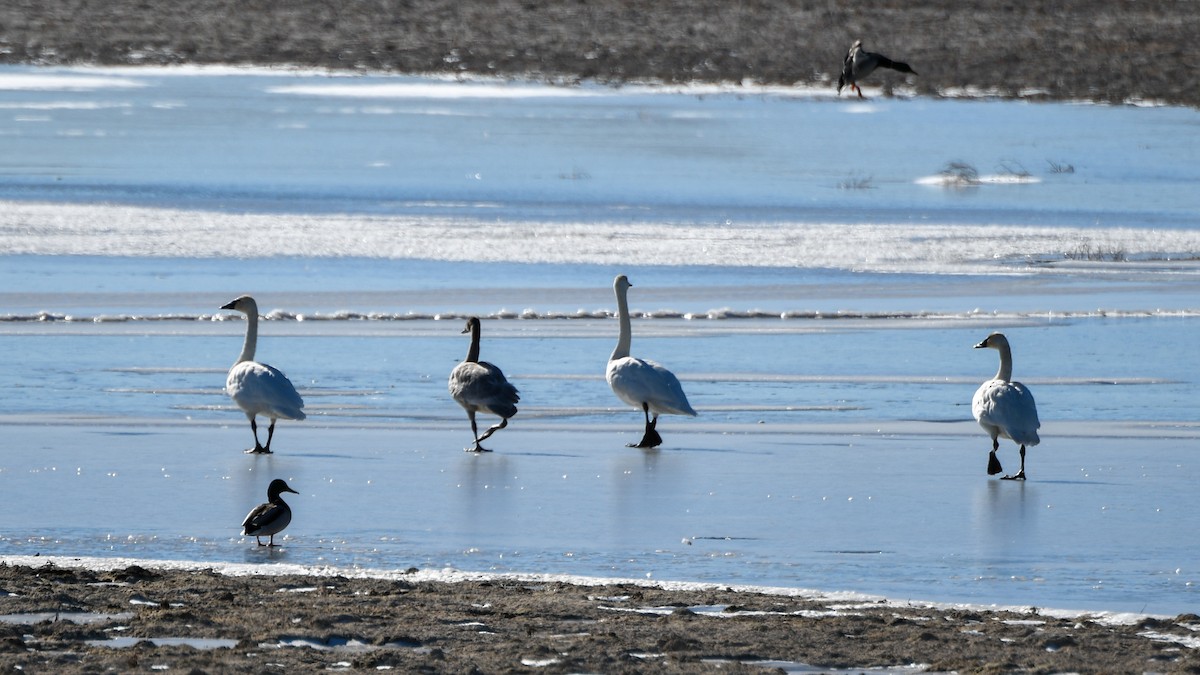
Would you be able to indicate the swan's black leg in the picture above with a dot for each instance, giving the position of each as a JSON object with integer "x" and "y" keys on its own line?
{"x": 655, "y": 439}
{"x": 258, "y": 448}
{"x": 1020, "y": 475}
{"x": 270, "y": 434}
{"x": 650, "y": 437}
{"x": 491, "y": 430}
{"x": 475, "y": 435}
{"x": 994, "y": 463}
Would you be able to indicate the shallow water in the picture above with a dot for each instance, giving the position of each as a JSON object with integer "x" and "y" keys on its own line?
{"x": 823, "y": 330}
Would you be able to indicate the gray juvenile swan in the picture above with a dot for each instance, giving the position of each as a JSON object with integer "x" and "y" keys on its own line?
{"x": 860, "y": 63}
{"x": 478, "y": 385}
{"x": 269, "y": 519}
{"x": 257, "y": 388}
{"x": 642, "y": 384}
{"x": 1005, "y": 408}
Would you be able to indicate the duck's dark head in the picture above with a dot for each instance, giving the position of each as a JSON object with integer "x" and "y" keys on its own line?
{"x": 278, "y": 487}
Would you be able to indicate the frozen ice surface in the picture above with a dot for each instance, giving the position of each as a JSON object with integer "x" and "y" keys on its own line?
{"x": 805, "y": 265}
{"x": 906, "y": 512}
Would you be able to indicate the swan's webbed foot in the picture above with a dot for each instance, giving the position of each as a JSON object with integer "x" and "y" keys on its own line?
{"x": 993, "y": 464}
{"x": 650, "y": 439}
{"x": 258, "y": 450}
{"x": 477, "y": 449}
{"x": 1020, "y": 475}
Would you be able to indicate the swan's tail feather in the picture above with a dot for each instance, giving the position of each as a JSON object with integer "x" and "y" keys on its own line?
{"x": 683, "y": 408}
{"x": 1027, "y": 437}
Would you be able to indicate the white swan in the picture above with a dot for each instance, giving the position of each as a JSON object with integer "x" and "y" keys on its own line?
{"x": 257, "y": 388}
{"x": 642, "y": 384}
{"x": 1005, "y": 408}
{"x": 269, "y": 519}
{"x": 478, "y": 385}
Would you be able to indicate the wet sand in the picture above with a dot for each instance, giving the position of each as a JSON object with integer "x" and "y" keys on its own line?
{"x": 410, "y": 624}
{"x": 1077, "y": 49}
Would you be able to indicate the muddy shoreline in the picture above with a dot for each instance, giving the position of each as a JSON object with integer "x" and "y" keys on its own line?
{"x": 507, "y": 625}
{"x": 1110, "y": 50}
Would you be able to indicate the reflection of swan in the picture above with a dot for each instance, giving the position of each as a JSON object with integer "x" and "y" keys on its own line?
{"x": 257, "y": 388}
{"x": 267, "y": 520}
{"x": 478, "y": 385}
{"x": 1005, "y": 408}
{"x": 860, "y": 63}
{"x": 640, "y": 383}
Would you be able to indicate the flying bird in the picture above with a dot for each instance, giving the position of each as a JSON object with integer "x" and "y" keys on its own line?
{"x": 860, "y": 63}
{"x": 257, "y": 388}
{"x": 480, "y": 386}
{"x": 269, "y": 519}
{"x": 643, "y": 384}
{"x": 1005, "y": 408}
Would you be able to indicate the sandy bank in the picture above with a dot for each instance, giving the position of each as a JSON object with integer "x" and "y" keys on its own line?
{"x": 511, "y": 625}
{"x": 1112, "y": 51}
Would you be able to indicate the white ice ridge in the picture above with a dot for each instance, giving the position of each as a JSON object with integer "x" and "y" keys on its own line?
{"x": 56, "y": 81}
{"x": 845, "y": 600}
{"x": 111, "y": 230}
{"x": 530, "y": 314}
{"x": 433, "y": 90}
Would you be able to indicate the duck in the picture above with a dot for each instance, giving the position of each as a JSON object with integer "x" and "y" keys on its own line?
{"x": 645, "y": 385}
{"x": 269, "y": 519}
{"x": 1005, "y": 408}
{"x": 860, "y": 63}
{"x": 480, "y": 386}
{"x": 259, "y": 389}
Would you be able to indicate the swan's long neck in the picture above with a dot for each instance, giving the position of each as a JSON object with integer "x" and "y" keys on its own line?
{"x": 1005, "y": 372}
{"x": 251, "y": 342}
{"x": 626, "y": 334}
{"x": 473, "y": 351}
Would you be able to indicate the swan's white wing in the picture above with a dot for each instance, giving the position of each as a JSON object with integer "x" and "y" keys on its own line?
{"x": 483, "y": 386}
{"x": 267, "y": 519}
{"x": 637, "y": 381}
{"x": 1008, "y": 406}
{"x": 260, "y": 389}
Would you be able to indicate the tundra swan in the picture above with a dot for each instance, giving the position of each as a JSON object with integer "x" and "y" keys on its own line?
{"x": 860, "y": 63}
{"x": 1005, "y": 408}
{"x": 478, "y": 385}
{"x": 257, "y": 388}
{"x": 269, "y": 519}
{"x": 645, "y": 385}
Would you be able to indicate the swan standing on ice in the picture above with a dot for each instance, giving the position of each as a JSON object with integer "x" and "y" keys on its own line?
{"x": 1005, "y": 408}
{"x": 268, "y": 520}
{"x": 478, "y": 385}
{"x": 257, "y": 388}
{"x": 642, "y": 384}
{"x": 860, "y": 63}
